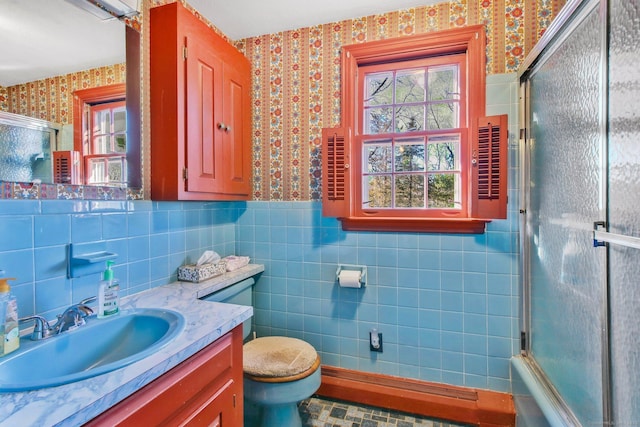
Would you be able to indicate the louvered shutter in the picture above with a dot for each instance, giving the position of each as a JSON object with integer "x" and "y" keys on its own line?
{"x": 490, "y": 170}
{"x": 335, "y": 172}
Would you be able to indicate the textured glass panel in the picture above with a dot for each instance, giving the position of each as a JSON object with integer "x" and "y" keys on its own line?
{"x": 567, "y": 273}
{"x": 409, "y": 118}
{"x": 624, "y": 200}
{"x": 25, "y": 154}
{"x": 378, "y": 120}
{"x": 410, "y": 86}
{"x": 442, "y": 115}
{"x": 409, "y": 155}
{"x": 409, "y": 191}
{"x": 379, "y": 87}
{"x": 443, "y": 83}
{"x": 378, "y": 157}
{"x": 444, "y": 191}
{"x": 376, "y": 191}
{"x": 625, "y": 324}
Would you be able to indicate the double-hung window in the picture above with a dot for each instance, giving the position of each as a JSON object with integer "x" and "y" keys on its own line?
{"x": 100, "y": 134}
{"x": 414, "y": 152}
{"x": 105, "y": 146}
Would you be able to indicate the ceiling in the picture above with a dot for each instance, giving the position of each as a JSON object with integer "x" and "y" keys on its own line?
{"x": 43, "y": 38}
{"x": 246, "y": 18}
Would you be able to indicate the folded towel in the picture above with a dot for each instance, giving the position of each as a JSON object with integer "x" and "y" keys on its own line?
{"x": 236, "y": 262}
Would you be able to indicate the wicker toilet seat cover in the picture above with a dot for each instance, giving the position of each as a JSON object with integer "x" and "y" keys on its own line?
{"x": 277, "y": 357}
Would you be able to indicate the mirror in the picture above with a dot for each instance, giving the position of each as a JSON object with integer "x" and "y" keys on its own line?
{"x": 50, "y": 49}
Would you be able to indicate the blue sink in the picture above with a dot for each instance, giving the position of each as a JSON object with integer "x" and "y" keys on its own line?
{"x": 100, "y": 346}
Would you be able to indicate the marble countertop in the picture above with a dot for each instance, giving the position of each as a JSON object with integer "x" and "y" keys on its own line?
{"x": 79, "y": 402}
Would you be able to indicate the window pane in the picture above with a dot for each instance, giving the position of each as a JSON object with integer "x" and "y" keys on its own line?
{"x": 377, "y": 157}
{"x": 379, "y": 89}
{"x": 101, "y": 145}
{"x": 443, "y": 153}
{"x": 376, "y": 191}
{"x": 409, "y": 155}
{"x": 378, "y": 120}
{"x": 410, "y": 86}
{"x": 443, "y": 83}
{"x": 442, "y": 115}
{"x": 117, "y": 170}
{"x": 102, "y": 122}
{"x": 121, "y": 143}
{"x": 444, "y": 191}
{"x": 409, "y": 191}
{"x": 120, "y": 120}
{"x": 410, "y": 118}
{"x": 96, "y": 173}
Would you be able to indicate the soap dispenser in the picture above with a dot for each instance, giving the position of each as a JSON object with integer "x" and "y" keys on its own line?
{"x": 9, "y": 330}
{"x": 108, "y": 299}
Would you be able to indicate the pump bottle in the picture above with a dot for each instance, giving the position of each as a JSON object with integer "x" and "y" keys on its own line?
{"x": 9, "y": 330}
{"x": 108, "y": 299}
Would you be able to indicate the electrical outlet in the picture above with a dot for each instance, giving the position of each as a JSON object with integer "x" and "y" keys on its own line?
{"x": 375, "y": 340}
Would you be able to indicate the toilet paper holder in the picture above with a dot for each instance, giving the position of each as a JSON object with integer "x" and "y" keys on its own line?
{"x": 346, "y": 267}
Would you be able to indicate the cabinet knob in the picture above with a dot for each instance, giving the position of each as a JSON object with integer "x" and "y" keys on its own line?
{"x": 222, "y": 126}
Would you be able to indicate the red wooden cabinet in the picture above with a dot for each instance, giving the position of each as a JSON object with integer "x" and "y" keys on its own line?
{"x": 204, "y": 390}
{"x": 200, "y": 111}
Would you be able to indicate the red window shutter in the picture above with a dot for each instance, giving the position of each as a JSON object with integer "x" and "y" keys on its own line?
{"x": 335, "y": 172}
{"x": 490, "y": 168}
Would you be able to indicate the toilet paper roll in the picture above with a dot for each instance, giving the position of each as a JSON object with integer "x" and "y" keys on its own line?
{"x": 349, "y": 278}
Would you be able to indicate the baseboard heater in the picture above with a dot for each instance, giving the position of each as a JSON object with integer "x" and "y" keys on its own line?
{"x": 483, "y": 408}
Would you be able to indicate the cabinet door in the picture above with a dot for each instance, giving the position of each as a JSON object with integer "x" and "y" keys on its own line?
{"x": 200, "y": 92}
{"x": 218, "y": 411}
{"x": 204, "y": 390}
{"x": 237, "y": 135}
{"x": 204, "y": 128}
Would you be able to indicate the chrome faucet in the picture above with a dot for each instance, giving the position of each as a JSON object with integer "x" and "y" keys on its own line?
{"x": 72, "y": 317}
{"x": 41, "y": 330}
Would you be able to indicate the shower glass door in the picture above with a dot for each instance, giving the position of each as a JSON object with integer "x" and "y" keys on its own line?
{"x": 566, "y": 274}
{"x": 624, "y": 202}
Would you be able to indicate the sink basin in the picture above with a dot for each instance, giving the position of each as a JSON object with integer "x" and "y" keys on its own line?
{"x": 100, "y": 346}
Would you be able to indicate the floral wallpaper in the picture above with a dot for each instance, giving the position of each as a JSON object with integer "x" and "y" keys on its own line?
{"x": 52, "y": 98}
{"x": 296, "y": 78}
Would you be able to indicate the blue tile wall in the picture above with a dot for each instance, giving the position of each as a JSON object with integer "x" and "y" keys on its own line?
{"x": 152, "y": 239}
{"x": 446, "y": 304}
{"x": 445, "y": 315}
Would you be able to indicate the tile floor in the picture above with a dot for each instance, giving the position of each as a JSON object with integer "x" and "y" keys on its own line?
{"x": 320, "y": 412}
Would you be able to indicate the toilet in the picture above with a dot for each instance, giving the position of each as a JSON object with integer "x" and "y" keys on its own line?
{"x": 279, "y": 372}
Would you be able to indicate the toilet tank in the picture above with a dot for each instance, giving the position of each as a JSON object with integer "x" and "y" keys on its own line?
{"x": 240, "y": 293}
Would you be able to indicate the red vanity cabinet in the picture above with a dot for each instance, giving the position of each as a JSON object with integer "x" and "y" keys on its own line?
{"x": 204, "y": 390}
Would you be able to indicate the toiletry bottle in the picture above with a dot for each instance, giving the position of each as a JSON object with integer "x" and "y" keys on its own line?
{"x": 108, "y": 299}
{"x": 10, "y": 330}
